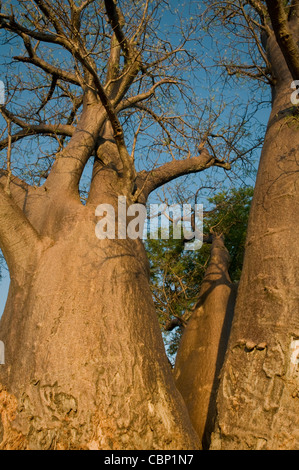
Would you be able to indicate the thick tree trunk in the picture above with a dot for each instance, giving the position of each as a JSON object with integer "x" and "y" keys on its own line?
{"x": 85, "y": 366}
{"x": 258, "y": 397}
{"x": 202, "y": 349}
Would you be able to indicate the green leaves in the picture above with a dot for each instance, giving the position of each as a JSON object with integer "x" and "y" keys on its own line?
{"x": 230, "y": 218}
{"x": 176, "y": 274}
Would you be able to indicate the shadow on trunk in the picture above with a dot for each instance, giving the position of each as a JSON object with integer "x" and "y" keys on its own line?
{"x": 201, "y": 353}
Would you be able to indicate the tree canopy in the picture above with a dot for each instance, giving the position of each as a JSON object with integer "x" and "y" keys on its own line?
{"x": 160, "y": 79}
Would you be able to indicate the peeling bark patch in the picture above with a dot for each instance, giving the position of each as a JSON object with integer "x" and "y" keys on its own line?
{"x": 294, "y": 359}
{"x": 10, "y": 439}
{"x": 250, "y": 345}
{"x": 50, "y": 417}
{"x": 274, "y": 363}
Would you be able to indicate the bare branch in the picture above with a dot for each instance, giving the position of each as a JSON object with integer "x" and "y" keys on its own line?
{"x": 51, "y": 15}
{"x": 284, "y": 35}
{"x": 115, "y": 20}
{"x": 41, "y": 63}
{"x": 49, "y": 68}
{"x": 131, "y": 102}
{"x": 136, "y": 36}
{"x": 10, "y": 24}
{"x": 148, "y": 181}
{"x": 261, "y": 11}
{"x": 84, "y": 5}
{"x": 258, "y": 73}
{"x": 49, "y": 95}
{"x": 31, "y": 129}
{"x": 249, "y": 22}
{"x": 18, "y": 239}
{"x": 34, "y": 131}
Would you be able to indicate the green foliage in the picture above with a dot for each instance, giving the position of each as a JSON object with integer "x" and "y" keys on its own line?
{"x": 176, "y": 274}
{"x": 230, "y": 217}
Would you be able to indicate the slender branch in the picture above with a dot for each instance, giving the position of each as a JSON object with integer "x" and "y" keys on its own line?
{"x": 35, "y": 130}
{"x": 41, "y": 63}
{"x": 261, "y": 11}
{"x": 49, "y": 95}
{"x": 255, "y": 36}
{"x": 136, "y": 36}
{"x": 10, "y": 24}
{"x": 135, "y": 138}
{"x": 49, "y": 68}
{"x": 14, "y": 138}
{"x": 84, "y": 5}
{"x": 284, "y": 36}
{"x": 112, "y": 116}
{"x": 60, "y": 129}
{"x": 131, "y": 102}
{"x": 261, "y": 73}
{"x": 159, "y": 119}
{"x": 50, "y": 15}
{"x": 132, "y": 56}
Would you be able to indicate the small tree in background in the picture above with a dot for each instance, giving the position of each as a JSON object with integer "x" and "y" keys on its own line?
{"x": 177, "y": 274}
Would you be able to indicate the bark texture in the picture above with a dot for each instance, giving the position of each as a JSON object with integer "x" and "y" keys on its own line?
{"x": 258, "y": 397}
{"x": 204, "y": 342}
{"x": 85, "y": 363}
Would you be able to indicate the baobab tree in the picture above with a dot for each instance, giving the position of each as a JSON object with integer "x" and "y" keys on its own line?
{"x": 257, "y": 402}
{"x": 85, "y": 365}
